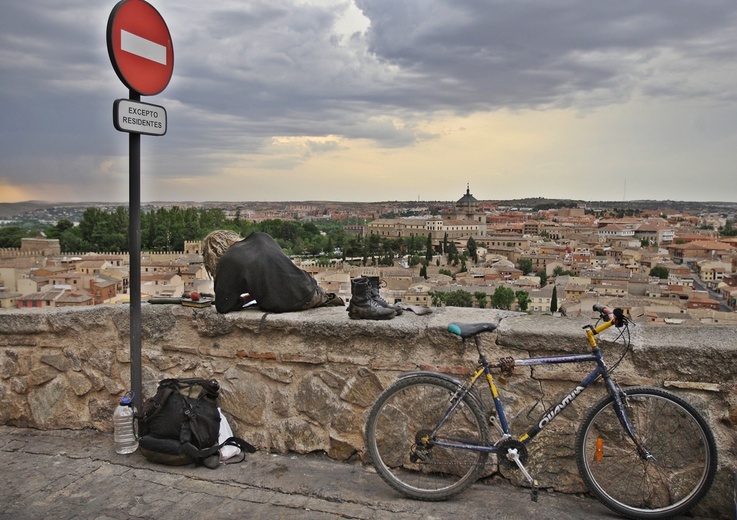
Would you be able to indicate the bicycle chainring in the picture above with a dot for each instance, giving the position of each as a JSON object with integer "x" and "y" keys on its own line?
{"x": 504, "y": 446}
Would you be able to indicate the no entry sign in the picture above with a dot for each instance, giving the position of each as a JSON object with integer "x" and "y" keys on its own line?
{"x": 140, "y": 48}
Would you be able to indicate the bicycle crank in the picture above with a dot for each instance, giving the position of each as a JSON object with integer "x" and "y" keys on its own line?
{"x": 513, "y": 453}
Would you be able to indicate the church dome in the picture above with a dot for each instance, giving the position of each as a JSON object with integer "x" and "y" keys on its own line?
{"x": 467, "y": 198}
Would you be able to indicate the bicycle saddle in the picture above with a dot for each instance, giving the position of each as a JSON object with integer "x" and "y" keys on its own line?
{"x": 468, "y": 330}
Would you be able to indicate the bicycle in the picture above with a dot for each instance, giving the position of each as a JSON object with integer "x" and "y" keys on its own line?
{"x": 642, "y": 451}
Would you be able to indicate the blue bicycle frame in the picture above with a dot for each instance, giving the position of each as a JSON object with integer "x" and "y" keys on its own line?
{"x": 551, "y": 413}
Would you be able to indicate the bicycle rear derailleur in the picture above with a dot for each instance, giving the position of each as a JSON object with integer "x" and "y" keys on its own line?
{"x": 513, "y": 453}
{"x": 420, "y": 451}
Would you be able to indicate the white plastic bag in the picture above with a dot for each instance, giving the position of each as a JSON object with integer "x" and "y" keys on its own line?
{"x": 226, "y": 452}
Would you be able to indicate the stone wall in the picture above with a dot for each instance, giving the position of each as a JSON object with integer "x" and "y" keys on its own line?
{"x": 303, "y": 382}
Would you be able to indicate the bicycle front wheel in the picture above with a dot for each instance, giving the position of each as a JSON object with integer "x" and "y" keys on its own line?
{"x": 406, "y": 453}
{"x": 666, "y": 473}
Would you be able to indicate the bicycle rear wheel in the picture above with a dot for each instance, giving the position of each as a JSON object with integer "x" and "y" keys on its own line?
{"x": 402, "y": 449}
{"x": 672, "y": 472}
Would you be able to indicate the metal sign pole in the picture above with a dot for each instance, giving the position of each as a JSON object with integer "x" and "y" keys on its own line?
{"x": 141, "y": 52}
{"x": 134, "y": 233}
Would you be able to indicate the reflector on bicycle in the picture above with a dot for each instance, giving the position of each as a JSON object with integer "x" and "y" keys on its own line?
{"x": 599, "y": 453}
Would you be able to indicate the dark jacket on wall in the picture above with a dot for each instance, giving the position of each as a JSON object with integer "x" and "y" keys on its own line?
{"x": 258, "y": 266}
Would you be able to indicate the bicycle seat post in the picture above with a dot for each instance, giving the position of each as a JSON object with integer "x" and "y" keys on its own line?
{"x": 477, "y": 341}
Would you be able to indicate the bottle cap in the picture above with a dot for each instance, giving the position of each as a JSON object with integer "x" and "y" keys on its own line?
{"x": 127, "y": 398}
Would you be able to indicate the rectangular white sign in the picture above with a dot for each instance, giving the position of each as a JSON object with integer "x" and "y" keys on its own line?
{"x": 142, "y": 47}
{"x": 139, "y": 118}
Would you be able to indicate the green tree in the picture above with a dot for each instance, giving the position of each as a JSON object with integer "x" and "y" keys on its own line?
{"x": 480, "y": 298}
{"x": 436, "y": 297}
{"x": 95, "y": 227}
{"x": 559, "y": 271}
{"x": 543, "y": 274}
{"x": 428, "y": 248}
{"x": 523, "y": 300}
{"x": 10, "y": 236}
{"x": 554, "y": 300}
{"x": 372, "y": 244}
{"x": 71, "y": 240}
{"x": 525, "y": 265}
{"x": 472, "y": 249}
{"x": 452, "y": 253}
{"x": 459, "y": 298}
{"x": 660, "y": 271}
{"x": 58, "y": 230}
{"x": 354, "y": 246}
{"x": 728, "y": 230}
{"x": 423, "y": 271}
{"x": 503, "y": 298}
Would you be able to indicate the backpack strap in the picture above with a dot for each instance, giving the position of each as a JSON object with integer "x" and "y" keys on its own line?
{"x": 198, "y": 454}
{"x": 240, "y": 443}
{"x": 166, "y": 388}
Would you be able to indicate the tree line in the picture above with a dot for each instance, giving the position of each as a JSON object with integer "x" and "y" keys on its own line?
{"x": 167, "y": 229}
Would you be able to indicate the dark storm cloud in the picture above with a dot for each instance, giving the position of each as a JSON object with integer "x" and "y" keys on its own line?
{"x": 281, "y": 63}
{"x": 524, "y": 54}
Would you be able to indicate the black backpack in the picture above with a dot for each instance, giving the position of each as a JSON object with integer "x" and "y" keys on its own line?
{"x": 181, "y": 423}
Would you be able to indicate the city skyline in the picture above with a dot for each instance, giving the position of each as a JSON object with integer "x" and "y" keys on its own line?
{"x": 340, "y": 100}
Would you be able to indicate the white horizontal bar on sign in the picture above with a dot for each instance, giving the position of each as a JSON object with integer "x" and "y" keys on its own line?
{"x": 142, "y": 47}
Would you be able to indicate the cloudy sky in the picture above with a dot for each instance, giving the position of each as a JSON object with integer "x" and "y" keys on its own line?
{"x": 373, "y": 100}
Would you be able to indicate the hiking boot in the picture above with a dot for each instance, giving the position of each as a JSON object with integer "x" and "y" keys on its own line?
{"x": 362, "y": 306}
{"x": 374, "y": 284}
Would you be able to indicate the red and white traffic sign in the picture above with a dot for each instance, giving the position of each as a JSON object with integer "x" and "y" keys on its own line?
{"x": 140, "y": 48}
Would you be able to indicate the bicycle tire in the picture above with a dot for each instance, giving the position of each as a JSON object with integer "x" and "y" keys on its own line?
{"x": 684, "y": 454}
{"x": 410, "y": 409}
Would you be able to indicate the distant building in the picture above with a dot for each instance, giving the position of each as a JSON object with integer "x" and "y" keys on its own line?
{"x": 41, "y": 245}
{"x": 458, "y": 224}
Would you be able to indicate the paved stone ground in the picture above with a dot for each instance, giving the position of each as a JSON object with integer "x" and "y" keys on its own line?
{"x": 64, "y": 474}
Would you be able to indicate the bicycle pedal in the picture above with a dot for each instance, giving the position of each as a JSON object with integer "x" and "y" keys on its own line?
{"x": 534, "y": 491}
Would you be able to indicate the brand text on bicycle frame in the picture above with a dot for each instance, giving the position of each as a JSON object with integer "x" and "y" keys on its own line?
{"x": 553, "y": 413}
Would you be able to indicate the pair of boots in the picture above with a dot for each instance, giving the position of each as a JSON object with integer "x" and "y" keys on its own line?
{"x": 366, "y": 303}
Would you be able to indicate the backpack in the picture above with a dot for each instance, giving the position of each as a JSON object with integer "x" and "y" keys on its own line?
{"x": 181, "y": 423}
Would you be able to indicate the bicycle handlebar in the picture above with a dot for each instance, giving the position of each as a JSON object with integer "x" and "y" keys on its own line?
{"x": 607, "y": 314}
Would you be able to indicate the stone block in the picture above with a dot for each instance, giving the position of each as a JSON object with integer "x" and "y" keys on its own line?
{"x": 79, "y": 384}
{"x": 693, "y": 385}
{"x": 57, "y": 360}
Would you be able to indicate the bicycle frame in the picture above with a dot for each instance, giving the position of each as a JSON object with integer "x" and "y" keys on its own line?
{"x": 485, "y": 368}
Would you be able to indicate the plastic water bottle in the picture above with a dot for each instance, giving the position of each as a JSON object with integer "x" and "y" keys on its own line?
{"x": 124, "y": 433}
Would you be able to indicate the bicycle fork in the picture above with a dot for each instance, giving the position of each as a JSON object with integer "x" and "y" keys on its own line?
{"x": 620, "y": 408}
